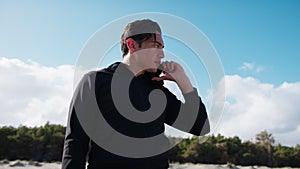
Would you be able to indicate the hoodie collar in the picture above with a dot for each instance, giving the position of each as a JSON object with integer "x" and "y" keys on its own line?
{"x": 147, "y": 75}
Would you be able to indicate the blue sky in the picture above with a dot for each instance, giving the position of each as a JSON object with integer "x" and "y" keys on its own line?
{"x": 254, "y": 39}
{"x": 262, "y": 32}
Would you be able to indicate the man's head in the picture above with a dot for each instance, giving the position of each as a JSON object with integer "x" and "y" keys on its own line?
{"x": 142, "y": 45}
{"x": 139, "y": 31}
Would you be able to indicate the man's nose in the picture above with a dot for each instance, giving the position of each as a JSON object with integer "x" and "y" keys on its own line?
{"x": 161, "y": 53}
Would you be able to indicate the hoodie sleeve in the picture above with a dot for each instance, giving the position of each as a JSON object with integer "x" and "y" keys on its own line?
{"x": 76, "y": 143}
{"x": 190, "y": 116}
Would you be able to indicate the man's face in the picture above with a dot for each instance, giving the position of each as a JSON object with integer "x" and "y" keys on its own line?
{"x": 149, "y": 55}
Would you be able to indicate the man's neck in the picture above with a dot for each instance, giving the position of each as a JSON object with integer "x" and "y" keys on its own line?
{"x": 130, "y": 64}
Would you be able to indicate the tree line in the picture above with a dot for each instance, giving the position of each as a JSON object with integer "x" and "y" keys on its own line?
{"x": 221, "y": 150}
{"x": 45, "y": 143}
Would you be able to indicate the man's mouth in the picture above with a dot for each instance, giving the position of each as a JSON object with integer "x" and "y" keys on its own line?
{"x": 157, "y": 62}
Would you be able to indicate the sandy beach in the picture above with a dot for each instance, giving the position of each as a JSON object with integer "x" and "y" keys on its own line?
{"x": 33, "y": 165}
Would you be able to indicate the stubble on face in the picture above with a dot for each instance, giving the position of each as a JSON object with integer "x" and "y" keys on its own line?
{"x": 150, "y": 53}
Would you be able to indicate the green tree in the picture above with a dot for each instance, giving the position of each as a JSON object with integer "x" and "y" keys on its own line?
{"x": 54, "y": 142}
{"x": 22, "y": 142}
{"x": 191, "y": 153}
{"x": 5, "y": 145}
{"x": 266, "y": 140}
{"x": 296, "y": 156}
{"x": 248, "y": 153}
{"x": 175, "y": 152}
{"x": 233, "y": 149}
{"x": 282, "y": 155}
{"x": 43, "y": 143}
{"x": 209, "y": 152}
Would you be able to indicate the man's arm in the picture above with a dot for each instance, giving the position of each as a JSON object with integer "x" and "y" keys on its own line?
{"x": 190, "y": 116}
{"x": 76, "y": 143}
{"x": 192, "y": 111}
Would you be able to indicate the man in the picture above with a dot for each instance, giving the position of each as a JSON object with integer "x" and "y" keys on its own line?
{"x": 124, "y": 97}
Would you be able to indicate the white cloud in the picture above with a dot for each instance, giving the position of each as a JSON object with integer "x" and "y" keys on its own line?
{"x": 32, "y": 94}
{"x": 252, "y": 106}
{"x": 252, "y": 67}
{"x": 247, "y": 66}
{"x": 172, "y": 86}
{"x": 259, "y": 69}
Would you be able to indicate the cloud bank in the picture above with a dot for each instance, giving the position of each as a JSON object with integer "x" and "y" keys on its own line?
{"x": 252, "y": 67}
{"x": 32, "y": 94}
{"x": 252, "y": 106}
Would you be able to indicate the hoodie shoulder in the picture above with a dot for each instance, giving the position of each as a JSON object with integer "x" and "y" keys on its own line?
{"x": 110, "y": 69}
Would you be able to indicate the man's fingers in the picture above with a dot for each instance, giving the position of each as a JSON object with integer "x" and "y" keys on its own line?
{"x": 172, "y": 65}
{"x": 164, "y": 64}
{"x": 163, "y": 78}
{"x": 159, "y": 78}
{"x": 169, "y": 66}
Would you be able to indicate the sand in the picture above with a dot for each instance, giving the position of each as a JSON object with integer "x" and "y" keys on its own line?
{"x": 35, "y": 165}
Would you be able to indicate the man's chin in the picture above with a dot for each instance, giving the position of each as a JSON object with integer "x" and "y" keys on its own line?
{"x": 152, "y": 70}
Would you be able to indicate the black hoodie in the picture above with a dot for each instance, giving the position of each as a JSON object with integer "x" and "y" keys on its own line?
{"x": 79, "y": 147}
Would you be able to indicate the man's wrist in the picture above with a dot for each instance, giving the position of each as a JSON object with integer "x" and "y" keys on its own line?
{"x": 184, "y": 84}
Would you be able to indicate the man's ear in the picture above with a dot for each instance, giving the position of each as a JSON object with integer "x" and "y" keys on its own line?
{"x": 130, "y": 45}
